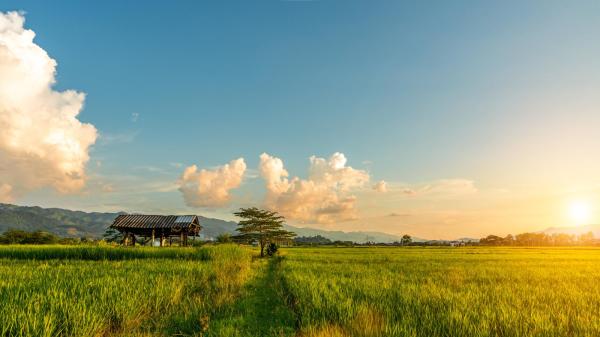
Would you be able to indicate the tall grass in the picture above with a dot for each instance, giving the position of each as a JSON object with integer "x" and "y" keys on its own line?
{"x": 96, "y": 253}
{"x": 88, "y": 291}
{"x": 445, "y": 292}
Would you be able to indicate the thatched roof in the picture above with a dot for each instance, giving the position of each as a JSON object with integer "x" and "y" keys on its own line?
{"x": 140, "y": 221}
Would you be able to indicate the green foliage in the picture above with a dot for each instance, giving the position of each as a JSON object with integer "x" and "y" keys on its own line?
{"x": 406, "y": 240}
{"x": 221, "y": 291}
{"x": 224, "y": 238}
{"x": 144, "y": 296}
{"x": 112, "y": 235}
{"x": 312, "y": 240}
{"x": 14, "y": 236}
{"x": 433, "y": 292}
{"x": 262, "y": 226}
{"x": 272, "y": 249}
{"x": 110, "y": 253}
{"x": 69, "y": 241}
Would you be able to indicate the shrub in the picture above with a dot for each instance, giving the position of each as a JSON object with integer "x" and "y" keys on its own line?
{"x": 13, "y": 236}
{"x": 224, "y": 238}
{"x": 272, "y": 249}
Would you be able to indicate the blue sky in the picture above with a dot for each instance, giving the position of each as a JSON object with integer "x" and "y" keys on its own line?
{"x": 503, "y": 94}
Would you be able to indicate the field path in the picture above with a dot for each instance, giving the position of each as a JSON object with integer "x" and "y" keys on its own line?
{"x": 261, "y": 311}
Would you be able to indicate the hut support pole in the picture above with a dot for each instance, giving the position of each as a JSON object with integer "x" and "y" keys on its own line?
{"x": 181, "y": 243}
{"x": 152, "y": 244}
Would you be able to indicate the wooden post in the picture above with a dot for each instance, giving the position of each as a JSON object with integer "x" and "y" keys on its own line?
{"x": 162, "y": 238}
{"x": 133, "y": 240}
{"x": 152, "y": 245}
{"x": 181, "y": 239}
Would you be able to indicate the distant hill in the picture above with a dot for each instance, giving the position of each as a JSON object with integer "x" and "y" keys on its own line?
{"x": 359, "y": 237}
{"x": 574, "y": 230}
{"x": 70, "y": 223}
{"x": 54, "y": 220}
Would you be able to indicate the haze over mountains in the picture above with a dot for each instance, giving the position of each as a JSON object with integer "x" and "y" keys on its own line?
{"x": 70, "y": 223}
{"x": 574, "y": 230}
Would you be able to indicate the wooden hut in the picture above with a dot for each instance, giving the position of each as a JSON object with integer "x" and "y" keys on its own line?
{"x": 163, "y": 227}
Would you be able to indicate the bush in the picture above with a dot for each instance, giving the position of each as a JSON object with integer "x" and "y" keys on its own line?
{"x": 272, "y": 249}
{"x": 13, "y": 236}
{"x": 224, "y": 238}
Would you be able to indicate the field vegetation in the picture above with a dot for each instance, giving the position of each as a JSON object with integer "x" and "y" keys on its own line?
{"x": 226, "y": 290}
{"x": 469, "y": 291}
{"x": 101, "y": 291}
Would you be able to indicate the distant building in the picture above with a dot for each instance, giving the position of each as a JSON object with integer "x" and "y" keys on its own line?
{"x": 161, "y": 227}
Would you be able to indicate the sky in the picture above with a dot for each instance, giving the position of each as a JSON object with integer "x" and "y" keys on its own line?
{"x": 436, "y": 119}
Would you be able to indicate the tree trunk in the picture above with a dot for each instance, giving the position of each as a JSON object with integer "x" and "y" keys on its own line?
{"x": 262, "y": 248}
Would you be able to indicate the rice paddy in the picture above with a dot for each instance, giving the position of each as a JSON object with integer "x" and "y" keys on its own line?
{"x": 226, "y": 291}
{"x": 445, "y": 292}
{"x": 157, "y": 293}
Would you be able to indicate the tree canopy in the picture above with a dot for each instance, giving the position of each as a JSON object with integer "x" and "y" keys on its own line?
{"x": 262, "y": 226}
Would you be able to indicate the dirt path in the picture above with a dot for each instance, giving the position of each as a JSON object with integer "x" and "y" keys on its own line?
{"x": 261, "y": 311}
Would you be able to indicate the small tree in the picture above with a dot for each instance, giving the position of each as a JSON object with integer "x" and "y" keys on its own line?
{"x": 406, "y": 240}
{"x": 262, "y": 226}
{"x": 112, "y": 235}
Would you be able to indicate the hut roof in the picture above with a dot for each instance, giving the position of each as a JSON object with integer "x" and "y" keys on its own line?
{"x": 155, "y": 221}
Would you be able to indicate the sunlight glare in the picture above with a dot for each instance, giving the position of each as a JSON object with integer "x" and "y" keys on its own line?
{"x": 580, "y": 212}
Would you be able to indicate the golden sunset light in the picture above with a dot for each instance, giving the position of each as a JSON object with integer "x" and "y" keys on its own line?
{"x": 314, "y": 168}
{"x": 580, "y": 212}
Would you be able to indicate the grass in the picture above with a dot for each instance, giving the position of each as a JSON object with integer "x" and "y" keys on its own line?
{"x": 445, "y": 292}
{"x": 261, "y": 310}
{"x": 155, "y": 294}
{"x": 226, "y": 291}
{"x": 98, "y": 253}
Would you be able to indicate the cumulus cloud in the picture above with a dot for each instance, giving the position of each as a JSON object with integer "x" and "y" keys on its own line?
{"x": 380, "y": 186}
{"x": 325, "y": 197}
{"x": 211, "y": 188}
{"x": 42, "y": 143}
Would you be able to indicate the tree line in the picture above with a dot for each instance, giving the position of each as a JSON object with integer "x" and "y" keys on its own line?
{"x": 540, "y": 239}
{"x": 21, "y": 237}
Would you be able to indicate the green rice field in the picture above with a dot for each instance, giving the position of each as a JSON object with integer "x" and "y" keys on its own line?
{"x": 445, "y": 292}
{"x": 227, "y": 291}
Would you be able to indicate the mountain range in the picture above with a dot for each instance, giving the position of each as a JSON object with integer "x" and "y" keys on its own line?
{"x": 68, "y": 223}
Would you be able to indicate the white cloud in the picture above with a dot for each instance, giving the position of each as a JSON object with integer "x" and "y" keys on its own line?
{"x": 447, "y": 187}
{"x": 324, "y": 197}
{"x": 442, "y": 188}
{"x": 380, "y": 186}
{"x": 210, "y": 188}
{"x": 42, "y": 142}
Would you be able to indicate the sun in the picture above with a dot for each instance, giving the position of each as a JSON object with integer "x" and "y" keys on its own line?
{"x": 580, "y": 212}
